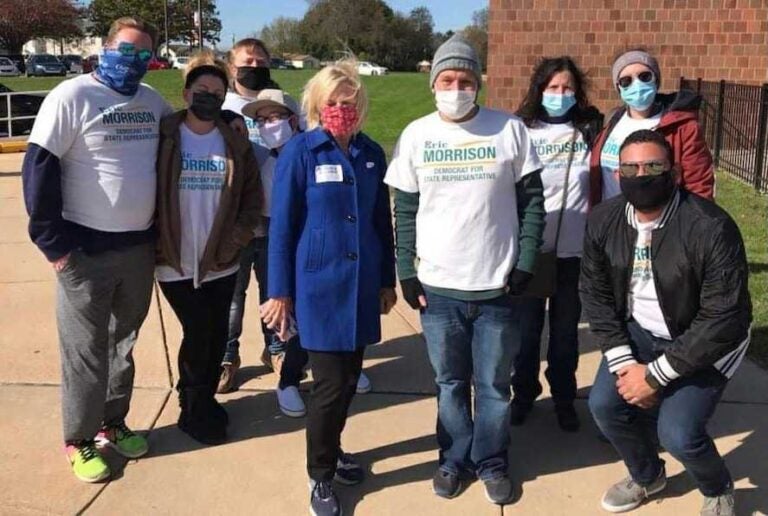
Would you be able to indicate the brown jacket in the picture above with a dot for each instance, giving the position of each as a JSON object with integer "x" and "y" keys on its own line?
{"x": 239, "y": 208}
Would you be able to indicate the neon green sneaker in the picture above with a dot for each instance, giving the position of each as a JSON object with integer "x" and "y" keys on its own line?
{"x": 86, "y": 462}
{"x": 122, "y": 439}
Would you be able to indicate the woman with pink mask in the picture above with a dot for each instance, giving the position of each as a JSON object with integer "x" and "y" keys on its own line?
{"x": 331, "y": 262}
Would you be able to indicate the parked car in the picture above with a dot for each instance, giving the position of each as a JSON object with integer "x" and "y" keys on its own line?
{"x": 180, "y": 63}
{"x": 73, "y": 62}
{"x": 366, "y": 68}
{"x": 281, "y": 64}
{"x": 90, "y": 63}
{"x": 8, "y": 68}
{"x": 45, "y": 64}
{"x": 18, "y": 60}
{"x": 21, "y": 105}
{"x": 158, "y": 63}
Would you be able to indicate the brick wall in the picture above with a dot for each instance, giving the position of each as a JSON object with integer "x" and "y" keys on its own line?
{"x": 711, "y": 39}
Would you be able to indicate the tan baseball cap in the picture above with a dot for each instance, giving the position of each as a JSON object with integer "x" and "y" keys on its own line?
{"x": 271, "y": 97}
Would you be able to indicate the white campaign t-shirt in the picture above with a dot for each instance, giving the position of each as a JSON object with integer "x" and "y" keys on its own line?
{"x": 235, "y": 102}
{"x": 553, "y": 144}
{"x": 643, "y": 300}
{"x": 466, "y": 226}
{"x": 609, "y": 157}
{"x": 107, "y": 145}
{"x": 203, "y": 172}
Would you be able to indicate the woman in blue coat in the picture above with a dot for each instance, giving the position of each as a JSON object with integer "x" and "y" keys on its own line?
{"x": 331, "y": 261}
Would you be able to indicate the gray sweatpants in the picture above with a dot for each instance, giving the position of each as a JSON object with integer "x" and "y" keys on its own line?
{"x": 102, "y": 301}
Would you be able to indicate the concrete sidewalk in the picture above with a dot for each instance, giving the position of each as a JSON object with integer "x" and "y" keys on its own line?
{"x": 261, "y": 469}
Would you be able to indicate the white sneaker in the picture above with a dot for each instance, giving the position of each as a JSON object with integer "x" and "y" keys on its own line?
{"x": 290, "y": 403}
{"x": 363, "y": 384}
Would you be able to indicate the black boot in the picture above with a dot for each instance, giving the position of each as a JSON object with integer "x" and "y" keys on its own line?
{"x": 518, "y": 411}
{"x": 567, "y": 417}
{"x": 196, "y": 418}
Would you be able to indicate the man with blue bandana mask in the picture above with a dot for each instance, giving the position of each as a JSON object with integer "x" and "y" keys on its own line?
{"x": 89, "y": 187}
{"x": 637, "y": 77}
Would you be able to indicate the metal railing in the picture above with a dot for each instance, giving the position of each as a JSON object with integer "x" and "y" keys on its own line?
{"x": 18, "y": 111}
{"x": 734, "y": 118}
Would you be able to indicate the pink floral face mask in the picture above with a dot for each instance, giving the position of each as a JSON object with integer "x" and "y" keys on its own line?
{"x": 340, "y": 120}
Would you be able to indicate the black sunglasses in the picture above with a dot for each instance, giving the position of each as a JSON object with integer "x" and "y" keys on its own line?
{"x": 646, "y": 76}
{"x": 652, "y": 168}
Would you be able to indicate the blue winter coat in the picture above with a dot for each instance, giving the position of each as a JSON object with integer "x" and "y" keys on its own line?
{"x": 331, "y": 244}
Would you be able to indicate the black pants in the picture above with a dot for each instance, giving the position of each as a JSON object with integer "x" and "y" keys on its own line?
{"x": 335, "y": 381}
{"x": 204, "y": 317}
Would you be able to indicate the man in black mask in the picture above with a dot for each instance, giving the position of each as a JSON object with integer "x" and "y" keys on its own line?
{"x": 664, "y": 288}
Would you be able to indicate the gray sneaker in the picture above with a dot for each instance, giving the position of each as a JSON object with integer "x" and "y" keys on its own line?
{"x": 628, "y": 494}
{"x": 722, "y": 505}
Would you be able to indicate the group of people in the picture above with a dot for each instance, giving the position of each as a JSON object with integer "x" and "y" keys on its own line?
{"x": 499, "y": 219}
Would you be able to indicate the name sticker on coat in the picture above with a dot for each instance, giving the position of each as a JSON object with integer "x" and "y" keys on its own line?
{"x": 370, "y": 164}
{"x": 328, "y": 174}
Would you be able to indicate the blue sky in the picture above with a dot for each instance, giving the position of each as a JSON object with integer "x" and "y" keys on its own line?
{"x": 243, "y": 17}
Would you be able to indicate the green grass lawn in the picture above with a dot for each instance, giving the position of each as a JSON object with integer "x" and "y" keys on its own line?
{"x": 395, "y": 99}
{"x": 749, "y": 210}
{"x": 399, "y": 98}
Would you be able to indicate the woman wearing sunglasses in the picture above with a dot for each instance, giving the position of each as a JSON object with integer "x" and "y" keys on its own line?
{"x": 563, "y": 126}
{"x": 637, "y": 77}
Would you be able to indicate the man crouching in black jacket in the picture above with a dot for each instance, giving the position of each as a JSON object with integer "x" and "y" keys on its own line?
{"x": 664, "y": 287}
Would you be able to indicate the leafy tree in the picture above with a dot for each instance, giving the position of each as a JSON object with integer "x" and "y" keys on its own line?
{"x": 282, "y": 35}
{"x": 477, "y": 34}
{"x": 23, "y": 20}
{"x": 180, "y": 17}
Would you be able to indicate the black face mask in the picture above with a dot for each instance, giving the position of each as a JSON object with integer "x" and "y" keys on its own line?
{"x": 647, "y": 193}
{"x": 206, "y": 106}
{"x": 254, "y": 78}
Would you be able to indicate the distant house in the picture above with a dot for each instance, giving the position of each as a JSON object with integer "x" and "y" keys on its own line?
{"x": 302, "y": 61}
{"x": 84, "y": 47}
{"x": 424, "y": 66}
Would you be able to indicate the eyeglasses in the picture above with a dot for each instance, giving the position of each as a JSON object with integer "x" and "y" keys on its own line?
{"x": 652, "y": 168}
{"x": 646, "y": 76}
{"x": 129, "y": 49}
{"x": 274, "y": 117}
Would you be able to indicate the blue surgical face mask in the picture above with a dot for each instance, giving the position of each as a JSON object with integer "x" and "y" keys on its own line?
{"x": 556, "y": 104}
{"x": 120, "y": 71}
{"x": 639, "y": 95}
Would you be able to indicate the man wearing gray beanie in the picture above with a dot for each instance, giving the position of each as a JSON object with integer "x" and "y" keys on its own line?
{"x": 469, "y": 205}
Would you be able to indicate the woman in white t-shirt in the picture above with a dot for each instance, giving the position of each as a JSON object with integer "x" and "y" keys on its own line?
{"x": 209, "y": 199}
{"x": 637, "y": 78}
{"x": 562, "y": 125}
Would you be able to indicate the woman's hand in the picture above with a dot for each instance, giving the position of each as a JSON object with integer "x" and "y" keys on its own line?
{"x": 276, "y": 314}
{"x": 387, "y": 299}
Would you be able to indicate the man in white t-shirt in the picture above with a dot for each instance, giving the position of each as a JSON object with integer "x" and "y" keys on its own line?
{"x": 89, "y": 187}
{"x": 664, "y": 287}
{"x": 89, "y": 184}
{"x": 469, "y": 206}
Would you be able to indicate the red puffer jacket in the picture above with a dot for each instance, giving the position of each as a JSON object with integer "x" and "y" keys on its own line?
{"x": 680, "y": 126}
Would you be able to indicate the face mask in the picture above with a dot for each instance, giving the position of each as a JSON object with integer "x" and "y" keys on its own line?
{"x": 276, "y": 134}
{"x": 339, "y": 120}
{"x": 122, "y": 73}
{"x": 639, "y": 95}
{"x": 206, "y": 106}
{"x": 254, "y": 78}
{"x": 557, "y": 105}
{"x": 647, "y": 193}
{"x": 455, "y": 104}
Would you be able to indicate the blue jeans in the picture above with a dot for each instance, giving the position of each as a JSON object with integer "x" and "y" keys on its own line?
{"x": 466, "y": 341}
{"x": 254, "y": 256}
{"x": 563, "y": 349}
{"x": 679, "y": 421}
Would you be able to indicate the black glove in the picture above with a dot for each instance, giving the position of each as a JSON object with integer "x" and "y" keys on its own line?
{"x": 518, "y": 282}
{"x": 412, "y": 289}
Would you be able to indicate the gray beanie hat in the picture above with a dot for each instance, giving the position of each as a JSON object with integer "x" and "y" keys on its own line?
{"x": 635, "y": 57}
{"x": 456, "y": 54}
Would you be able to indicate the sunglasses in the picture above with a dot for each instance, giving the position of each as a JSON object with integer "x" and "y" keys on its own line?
{"x": 129, "y": 49}
{"x": 652, "y": 168}
{"x": 646, "y": 76}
